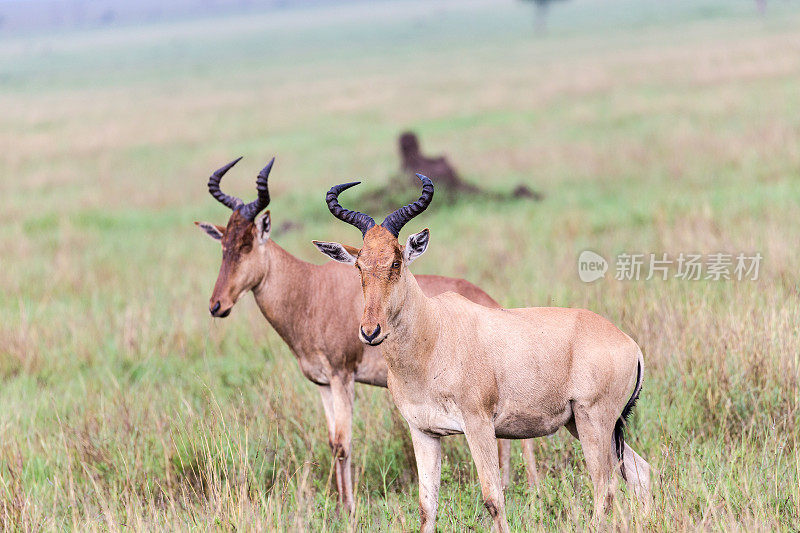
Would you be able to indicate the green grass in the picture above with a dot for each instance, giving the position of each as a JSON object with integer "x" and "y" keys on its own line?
{"x": 648, "y": 126}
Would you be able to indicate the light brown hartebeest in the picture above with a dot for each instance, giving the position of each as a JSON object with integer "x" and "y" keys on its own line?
{"x": 458, "y": 367}
{"x": 315, "y": 310}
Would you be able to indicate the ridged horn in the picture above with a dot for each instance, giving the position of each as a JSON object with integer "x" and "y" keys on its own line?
{"x": 252, "y": 209}
{"x": 213, "y": 187}
{"x": 395, "y": 221}
{"x": 359, "y": 220}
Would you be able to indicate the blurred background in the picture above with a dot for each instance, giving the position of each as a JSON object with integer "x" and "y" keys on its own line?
{"x": 611, "y": 125}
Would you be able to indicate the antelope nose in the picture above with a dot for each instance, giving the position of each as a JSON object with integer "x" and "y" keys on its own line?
{"x": 214, "y": 309}
{"x": 370, "y": 338}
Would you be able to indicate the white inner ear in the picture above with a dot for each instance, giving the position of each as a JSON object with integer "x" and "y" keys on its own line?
{"x": 416, "y": 245}
{"x": 336, "y": 251}
{"x": 263, "y": 225}
{"x": 211, "y": 229}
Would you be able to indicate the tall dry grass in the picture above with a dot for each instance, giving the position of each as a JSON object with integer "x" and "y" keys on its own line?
{"x": 125, "y": 407}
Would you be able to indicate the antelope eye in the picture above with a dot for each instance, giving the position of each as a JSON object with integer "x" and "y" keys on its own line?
{"x": 396, "y": 264}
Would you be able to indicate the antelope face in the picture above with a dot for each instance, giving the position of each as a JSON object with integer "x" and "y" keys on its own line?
{"x": 382, "y": 262}
{"x": 243, "y": 242}
{"x": 243, "y": 262}
{"x": 383, "y": 265}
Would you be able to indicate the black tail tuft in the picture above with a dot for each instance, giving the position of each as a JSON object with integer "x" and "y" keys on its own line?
{"x": 619, "y": 427}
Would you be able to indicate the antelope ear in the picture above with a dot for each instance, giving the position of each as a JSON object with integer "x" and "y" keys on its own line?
{"x": 216, "y": 232}
{"x": 338, "y": 252}
{"x": 352, "y": 250}
{"x": 416, "y": 245}
{"x": 263, "y": 227}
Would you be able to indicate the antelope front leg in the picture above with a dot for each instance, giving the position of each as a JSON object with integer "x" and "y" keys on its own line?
{"x": 337, "y": 400}
{"x": 330, "y": 417}
{"x": 483, "y": 446}
{"x": 343, "y": 391}
{"x": 428, "y": 453}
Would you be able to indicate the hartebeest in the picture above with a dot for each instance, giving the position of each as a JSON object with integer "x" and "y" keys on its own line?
{"x": 315, "y": 310}
{"x": 458, "y": 367}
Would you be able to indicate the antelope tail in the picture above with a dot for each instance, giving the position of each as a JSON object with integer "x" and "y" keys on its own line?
{"x": 619, "y": 427}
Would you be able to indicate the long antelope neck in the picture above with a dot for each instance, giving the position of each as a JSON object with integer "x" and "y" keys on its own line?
{"x": 415, "y": 327}
{"x": 286, "y": 287}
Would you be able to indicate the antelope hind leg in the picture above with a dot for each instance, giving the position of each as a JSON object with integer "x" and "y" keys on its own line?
{"x": 637, "y": 475}
{"x": 595, "y": 434}
{"x": 532, "y": 473}
{"x": 504, "y": 453}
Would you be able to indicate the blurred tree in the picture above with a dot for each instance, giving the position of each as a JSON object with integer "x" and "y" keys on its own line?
{"x": 542, "y": 7}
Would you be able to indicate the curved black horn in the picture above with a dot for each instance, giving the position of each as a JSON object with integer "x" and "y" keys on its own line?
{"x": 252, "y": 209}
{"x": 359, "y": 220}
{"x": 213, "y": 187}
{"x": 395, "y": 221}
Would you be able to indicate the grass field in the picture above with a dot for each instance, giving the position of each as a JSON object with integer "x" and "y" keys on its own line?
{"x": 649, "y": 126}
